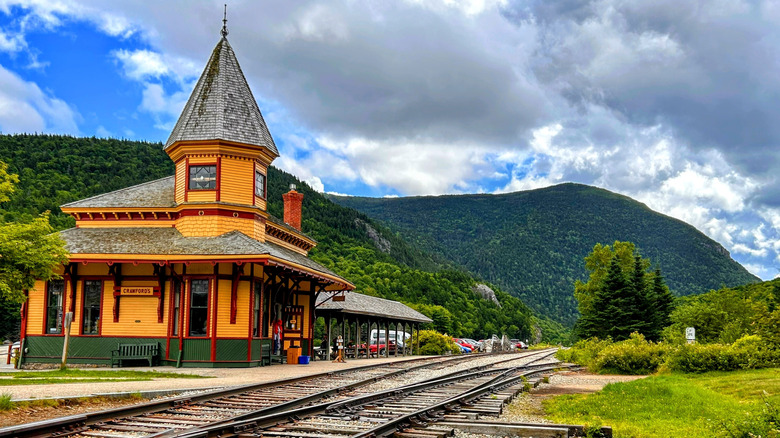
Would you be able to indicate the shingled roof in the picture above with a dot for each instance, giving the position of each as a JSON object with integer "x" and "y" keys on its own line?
{"x": 168, "y": 242}
{"x": 157, "y": 193}
{"x": 359, "y": 304}
{"x": 222, "y": 106}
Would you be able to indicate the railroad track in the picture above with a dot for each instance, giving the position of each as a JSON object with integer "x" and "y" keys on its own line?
{"x": 403, "y": 412}
{"x": 177, "y": 415}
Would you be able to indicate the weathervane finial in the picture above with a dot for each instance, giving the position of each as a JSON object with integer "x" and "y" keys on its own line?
{"x": 224, "y": 31}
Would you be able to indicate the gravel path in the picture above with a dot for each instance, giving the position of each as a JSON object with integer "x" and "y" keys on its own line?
{"x": 527, "y": 407}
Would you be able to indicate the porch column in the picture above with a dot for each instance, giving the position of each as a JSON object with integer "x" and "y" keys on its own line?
{"x": 418, "y": 337}
{"x": 327, "y": 354}
{"x": 395, "y": 328}
{"x": 357, "y": 337}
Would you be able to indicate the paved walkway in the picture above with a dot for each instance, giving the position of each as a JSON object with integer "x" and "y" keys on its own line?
{"x": 221, "y": 377}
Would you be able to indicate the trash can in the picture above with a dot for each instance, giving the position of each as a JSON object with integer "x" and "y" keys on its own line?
{"x": 303, "y": 360}
{"x": 292, "y": 354}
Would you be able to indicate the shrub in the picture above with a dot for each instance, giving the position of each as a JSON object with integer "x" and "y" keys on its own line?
{"x": 632, "y": 356}
{"x": 584, "y": 352}
{"x": 433, "y": 343}
{"x": 748, "y": 352}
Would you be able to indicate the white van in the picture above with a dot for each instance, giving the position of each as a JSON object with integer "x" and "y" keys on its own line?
{"x": 402, "y": 337}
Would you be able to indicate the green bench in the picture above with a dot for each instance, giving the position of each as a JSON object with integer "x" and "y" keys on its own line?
{"x": 148, "y": 352}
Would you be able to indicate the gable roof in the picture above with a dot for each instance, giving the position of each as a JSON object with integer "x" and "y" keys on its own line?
{"x": 222, "y": 106}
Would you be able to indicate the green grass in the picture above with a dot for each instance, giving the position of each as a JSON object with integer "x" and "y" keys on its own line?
{"x": 86, "y": 376}
{"x": 677, "y": 405}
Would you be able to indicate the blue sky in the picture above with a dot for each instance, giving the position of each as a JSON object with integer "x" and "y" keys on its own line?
{"x": 672, "y": 103}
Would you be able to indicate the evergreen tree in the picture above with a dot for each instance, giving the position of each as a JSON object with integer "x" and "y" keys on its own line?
{"x": 612, "y": 309}
{"x": 641, "y": 308}
{"x": 663, "y": 304}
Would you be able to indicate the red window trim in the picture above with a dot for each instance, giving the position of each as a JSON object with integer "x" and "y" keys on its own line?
{"x": 46, "y": 308}
{"x": 187, "y": 189}
{"x": 265, "y": 185}
{"x": 211, "y": 281}
{"x": 84, "y": 280}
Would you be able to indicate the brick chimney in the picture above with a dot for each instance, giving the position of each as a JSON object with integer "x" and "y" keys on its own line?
{"x": 293, "y": 202}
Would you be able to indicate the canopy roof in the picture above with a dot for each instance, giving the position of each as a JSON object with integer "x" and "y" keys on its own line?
{"x": 358, "y": 304}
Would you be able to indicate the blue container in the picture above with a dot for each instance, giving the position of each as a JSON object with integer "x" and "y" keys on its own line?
{"x": 303, "y": 360}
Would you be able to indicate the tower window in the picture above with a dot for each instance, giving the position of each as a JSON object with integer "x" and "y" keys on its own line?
{"x": 259, "y": 184}
{"x": 203, "y": 177}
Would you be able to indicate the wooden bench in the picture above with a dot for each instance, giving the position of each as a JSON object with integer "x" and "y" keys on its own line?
{"x": 148, "y": 352}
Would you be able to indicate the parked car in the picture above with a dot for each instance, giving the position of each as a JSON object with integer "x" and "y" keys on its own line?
{"x": 463, "y": 343}
{"x": 372, "y": 348}
{"x": 477, "y": 344}
{"x": 464, "y": 349}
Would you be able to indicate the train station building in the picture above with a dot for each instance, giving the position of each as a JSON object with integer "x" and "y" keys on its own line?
{"x": 192, "y": 263}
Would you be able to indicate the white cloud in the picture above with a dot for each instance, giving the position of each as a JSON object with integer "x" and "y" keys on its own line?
{"x": 24, "y": 107}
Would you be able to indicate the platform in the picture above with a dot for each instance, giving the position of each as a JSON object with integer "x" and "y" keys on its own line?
{"x": 221, "y": 377}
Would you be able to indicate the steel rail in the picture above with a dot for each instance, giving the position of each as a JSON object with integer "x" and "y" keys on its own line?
{"x": 73, "y": 424}
{"x": 422, "y": 416}
{"x": 232, "y": 428}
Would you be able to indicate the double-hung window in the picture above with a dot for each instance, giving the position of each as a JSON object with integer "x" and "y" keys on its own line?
{"x": 199, "y": 308}
{"x": 176, "y": 306}
{"x": 259, "y": 184}
{"x": 55, "y": 290}
{"x": 258, "y": 317}
{"x": 91, "y": 312}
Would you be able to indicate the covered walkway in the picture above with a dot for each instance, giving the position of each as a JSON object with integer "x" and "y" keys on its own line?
{"x": 358, "y": 316}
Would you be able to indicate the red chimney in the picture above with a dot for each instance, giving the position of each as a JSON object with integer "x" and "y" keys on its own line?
{"x": 292, "y": 207}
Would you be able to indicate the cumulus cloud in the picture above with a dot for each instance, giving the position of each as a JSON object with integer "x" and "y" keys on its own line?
{"x": 24, "y": 107}
{"x": 669, "y": 102}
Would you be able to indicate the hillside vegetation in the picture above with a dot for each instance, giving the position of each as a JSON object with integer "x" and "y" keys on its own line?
{"x": 57, "y": 169}
{"x": 532, "y": 243}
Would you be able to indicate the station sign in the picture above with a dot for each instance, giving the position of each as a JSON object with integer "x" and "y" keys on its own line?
{"x": 138, "y": 291}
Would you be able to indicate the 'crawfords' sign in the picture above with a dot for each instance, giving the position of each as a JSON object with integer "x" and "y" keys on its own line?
{"x": 137, "y": 291}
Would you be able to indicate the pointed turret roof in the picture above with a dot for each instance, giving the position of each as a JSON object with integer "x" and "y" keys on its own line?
{"x": 222, "y": 106}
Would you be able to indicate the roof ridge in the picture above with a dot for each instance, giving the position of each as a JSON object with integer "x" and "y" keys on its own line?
{"x": 117, "y": 191}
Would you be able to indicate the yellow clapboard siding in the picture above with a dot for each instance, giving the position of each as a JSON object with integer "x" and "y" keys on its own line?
{"x": 237, "y": 181}
{"x": 203, "y": 160}
{"x": 260, "y": 202}
{"x": 199, "y": 269}
{"x": 241, "y": 328}
{"x": 181, "y": 179}
{"x": 36, "y": 300}
{"x": 304, "y": 301}
{"x": 93, "y": 269}
{"x": 201, "y": 196}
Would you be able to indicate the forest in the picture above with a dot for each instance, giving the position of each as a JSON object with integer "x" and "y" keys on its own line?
{"x": 54, "y": 170}
{"x": 532, "y": 243}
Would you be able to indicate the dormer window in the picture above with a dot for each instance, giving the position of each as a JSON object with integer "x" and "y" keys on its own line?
{"x": 203, "y": 177}
{"x": 259, "y": 184}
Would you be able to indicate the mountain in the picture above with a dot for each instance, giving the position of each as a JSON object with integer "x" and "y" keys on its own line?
{"x": 532, "y": 243}
{"x": 57, "y": 169}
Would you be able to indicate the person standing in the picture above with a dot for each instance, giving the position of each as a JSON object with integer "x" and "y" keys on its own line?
{"x": 277, "y": 335}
